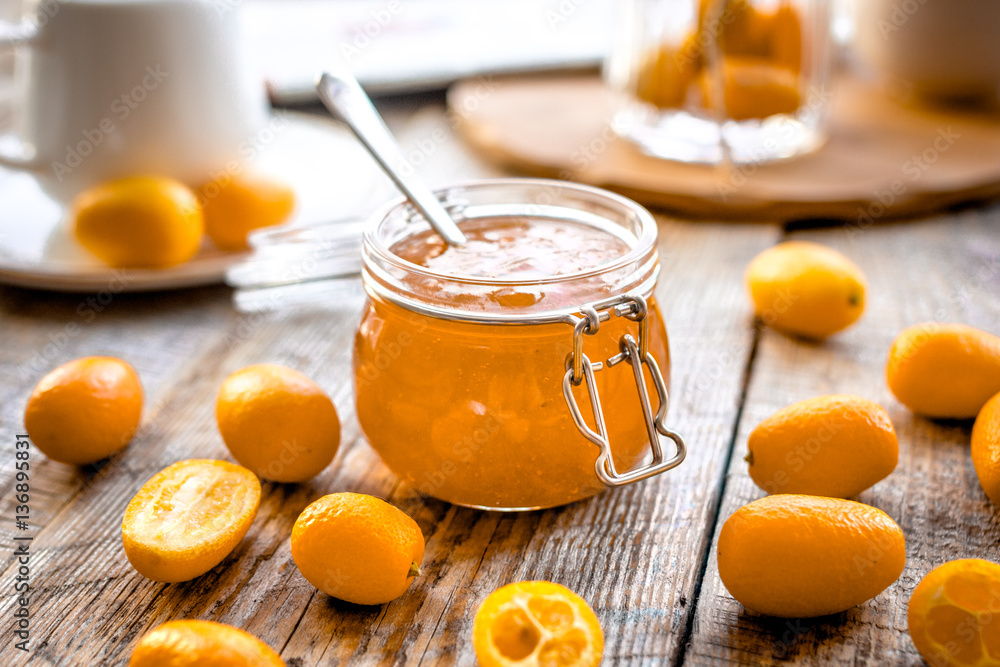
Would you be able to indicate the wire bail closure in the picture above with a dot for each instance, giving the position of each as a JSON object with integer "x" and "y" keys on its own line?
{"x": 635, "y": 353}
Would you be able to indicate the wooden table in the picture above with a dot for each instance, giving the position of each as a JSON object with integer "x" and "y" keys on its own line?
{"x": 643, "y": 556}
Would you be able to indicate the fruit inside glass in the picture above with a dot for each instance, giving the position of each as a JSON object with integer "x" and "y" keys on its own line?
{"x": 464, "y": 357}
{"x": 710, "y": 81}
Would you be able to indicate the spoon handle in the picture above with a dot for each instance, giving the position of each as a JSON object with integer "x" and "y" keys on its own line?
{"x": 350, "y": 105}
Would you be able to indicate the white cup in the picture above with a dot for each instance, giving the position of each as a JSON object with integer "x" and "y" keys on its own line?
{"x": 111, "y": 88}
{"x": 932, "y": 48}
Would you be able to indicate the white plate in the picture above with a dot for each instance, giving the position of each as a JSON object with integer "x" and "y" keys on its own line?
{"x": 333, "y": 178}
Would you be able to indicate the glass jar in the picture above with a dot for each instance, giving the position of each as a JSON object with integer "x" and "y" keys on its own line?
{"x": 511, "y": 391}
{"x": 711, "y": 81}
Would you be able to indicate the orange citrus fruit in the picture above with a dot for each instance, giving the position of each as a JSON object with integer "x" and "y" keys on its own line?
{"x": 139, "y": 222}
{"x": 784, "y": 28}
{"x": 85, "y": 410}
{"x": 954, "y": 614}
{"x": 944, "y": 370}
{"x": 535, "y": 623}
{"x": 357, "y": 548}
{"x": 836, "y": 445}
{"x": 191, "y": 643}
{"x": 798, "y": 556}
{"x": 739, "y": 26}
{"x": 754, "y": 88}
{"x": 665, "y": 75}
{"x": 237, "y": 207}
{"x": 277, "y": 422}
{"x": 986, "y": 448}
{"x": 806, "y": 289}
{"x": 188, "y": 517}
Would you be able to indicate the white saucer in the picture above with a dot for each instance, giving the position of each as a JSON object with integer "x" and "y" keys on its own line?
{"x": 331, "y": 173}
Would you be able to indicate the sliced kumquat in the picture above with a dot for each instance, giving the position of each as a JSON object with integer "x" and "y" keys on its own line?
{"x": 537, "y": 623}
{"x": 188, "y": 518}
{"x": 954, "y": 614}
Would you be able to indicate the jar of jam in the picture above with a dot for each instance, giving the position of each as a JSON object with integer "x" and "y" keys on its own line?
{"x": 527, "y": 368}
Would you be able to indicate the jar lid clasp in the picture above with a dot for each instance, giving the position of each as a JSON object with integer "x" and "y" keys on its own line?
{"x": 634, "y": 352}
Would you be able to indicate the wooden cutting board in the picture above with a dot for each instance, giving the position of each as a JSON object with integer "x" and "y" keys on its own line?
{"x": 882, "y": 160}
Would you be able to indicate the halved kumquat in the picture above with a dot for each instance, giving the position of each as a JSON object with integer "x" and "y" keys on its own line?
{"x": 188, "y": 518}
{"x": 536, "y": 623}
{"x": 954, "y": 614}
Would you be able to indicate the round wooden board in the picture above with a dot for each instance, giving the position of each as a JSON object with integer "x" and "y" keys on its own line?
{"x": 882, "y": 160}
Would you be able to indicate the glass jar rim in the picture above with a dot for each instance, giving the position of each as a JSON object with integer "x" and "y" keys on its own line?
{"x": 643, "y": 240}
{"x": 377, "y": 252}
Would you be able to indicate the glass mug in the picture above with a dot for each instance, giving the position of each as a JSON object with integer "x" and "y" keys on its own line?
{"x": 710, "y": 81}
{"x": 517, "y": 388}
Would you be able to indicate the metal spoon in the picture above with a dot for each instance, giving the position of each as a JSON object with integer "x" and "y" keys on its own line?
{"x": 349, "y": 104}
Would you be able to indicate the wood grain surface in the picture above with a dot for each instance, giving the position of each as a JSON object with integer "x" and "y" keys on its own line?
{"x": 944, "y": 269}
{"x": 641, "y": 556}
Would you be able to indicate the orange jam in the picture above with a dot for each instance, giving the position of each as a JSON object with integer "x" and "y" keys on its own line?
{"x": 472, "y": 412}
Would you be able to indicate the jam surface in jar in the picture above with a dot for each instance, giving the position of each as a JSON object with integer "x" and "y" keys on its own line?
{"x": 514, "y": 249}
{"x": 473, "y": 413}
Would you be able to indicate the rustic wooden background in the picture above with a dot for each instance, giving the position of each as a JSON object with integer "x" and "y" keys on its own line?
{"x": 643, "y": 556}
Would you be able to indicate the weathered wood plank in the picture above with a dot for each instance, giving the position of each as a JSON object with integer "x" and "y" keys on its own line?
{"x": 948, "y": 269}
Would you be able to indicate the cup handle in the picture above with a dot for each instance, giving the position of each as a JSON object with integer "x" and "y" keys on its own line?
{"x": 13, "y": 152}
